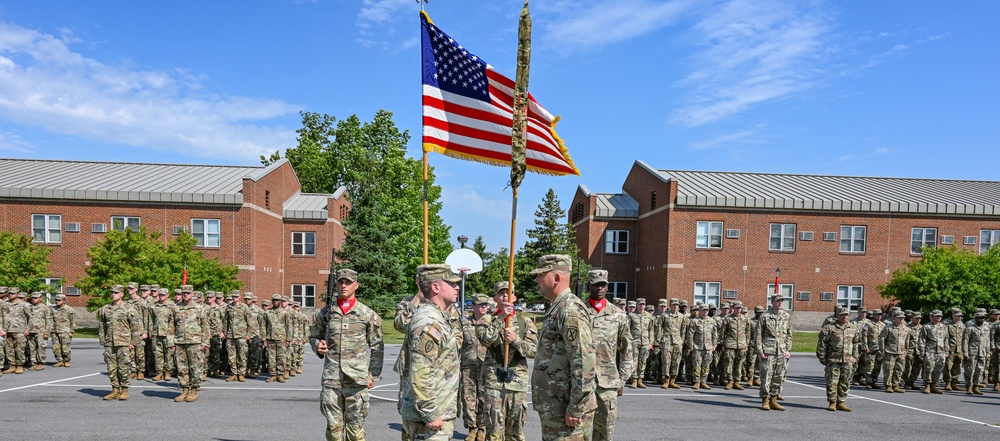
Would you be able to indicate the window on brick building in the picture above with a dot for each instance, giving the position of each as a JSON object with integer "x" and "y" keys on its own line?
{"x": 922, "y": 237}
{"x": 118, "y": 223}
{"x": 207, "y": 232}
{"x": 709, "y": 234}
{"x": 782, "y": 237}
{"x": 617, "y": 289}
{"x": 786, "y": 290}
{"x": 988, "y": 238}
{"x": 304, "y": 243}
{"x": 850, "y": 296}
{"x": 46, "y": 228}
{"x": 852, "y": 238}
{"x": 707, "y": 292}
{"x": 578, "y": 211}
{"x": 304, "y": 295}
{"x": 53, "y": 286}
{"x": 616, "y": 242}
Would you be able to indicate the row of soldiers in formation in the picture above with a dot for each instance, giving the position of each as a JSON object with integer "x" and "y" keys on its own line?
{"x": 27, "y": 326}
{"x": 149, "y": 333}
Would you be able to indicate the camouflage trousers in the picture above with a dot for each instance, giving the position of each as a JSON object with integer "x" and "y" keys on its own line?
{"x": 874, "y": 367}
{"x": 60, "y": 346}
{"x": 505, "y": 414}
{"x": 255, "y": 350}
{"x": 215, "y": 355}
{"x": 702, "y": 361}
{"x": 554, "y": 428}
{"x": 670, "y": 359}
{"x": 911, "y": 371}
{"x": 276, "y": 356}
{"x": 237, "y": 348}
{"x": 16, "y": 343}
{"x": 139, "y": 357}
{"x": 685, "y": 368}
{"x": 995, "y": 366}
{"x": 772, "y": 374}
{"x": 715, "y": 370}
{"x": 345, "y": 409}
{"x": 606, "y": 413}
{"x": 119, "y": 361}
{"x": 751, "y": 365}
{"x": 653, "y": 371}
{"x": 3, "y": 353}
{"x": 733, "y": 363}
{"x": 189, "y": 365}
{"x": 472, "y": 395}
{"x": 892, "y": 366}
{"x": 933, "y": 366}
{"x": 37, "y": 345}
{"x": 952, "y": 368}
{"x": 162, "y": 362}
{"x": 838, "y": 381}
{"x": 978, "y": 366}
{"x": 418, "y": 431}
{"x": 639, "y": 360}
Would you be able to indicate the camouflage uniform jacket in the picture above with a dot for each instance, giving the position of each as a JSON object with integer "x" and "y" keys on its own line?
{"x": 754, "y": 326}
{"x": 162, "y": 320}
{"x": 433, "y": 367}
{"x": 278, "y": 322}
{"x": 872, "y": 336}
{"x": 838, "y": 343}
{"x": 119, "y": 325}
{"x": 612, "y": 346}
{"x": 669, "y": 332}
{"x": 702, "y": 335}
{"x": 238, "y": 321}
{"x": 774, "y": 333}
{"x": 18, "y": 317}
{"x": 995, "y": 336}
{"x": 976, "y": 341}
{"x": 354, "y": 340}
{"x": 562, "y": 382}
{"x": 142, "y": 307}
{"x": 955, "y": 332}
{"x": 473, "y": 352}
{"x": 863, "y": 326}
{"x": 641, "y": 325}
{"x": 895, "y": 340}
{"x": 190, "y": 325}
{"x": 913, "y": 346}
{"x": 41, "y": 319}
{"x": 933, "y": 339}
{"x": 490, "y": 334}
{"x": 255, "y": 321}
{"x": 63, "y": 319}
{"x": 736, "y": 332}
{"x": 404, "y": 311}
{"x": 216, "y": 320}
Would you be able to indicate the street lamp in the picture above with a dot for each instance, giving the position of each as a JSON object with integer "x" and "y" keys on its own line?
{"x": 462, "y": 240}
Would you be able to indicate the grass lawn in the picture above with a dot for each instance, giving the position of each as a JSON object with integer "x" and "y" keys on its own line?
{"x": 85, "y": 333}
{"x": 804, "y": 341}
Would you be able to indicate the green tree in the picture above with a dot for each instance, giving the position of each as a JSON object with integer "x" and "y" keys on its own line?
{"x": 479, "y": 283}
{"x": 140, "y": 256}
{"x": 23, "y": 264}
{"x": 550, "y": 235}
{"x": 945, "y": 277}
{"x": 385, "y": 226}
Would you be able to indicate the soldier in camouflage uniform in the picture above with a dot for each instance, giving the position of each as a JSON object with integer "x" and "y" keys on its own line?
{"x": 641, "y": 326}
{"x": 671, "y": 341}
{"x": 38, "y": 331}
{"x": 875, "y": 354}
{"x": 162, "y": 335}
{"x": 753, "y": 363}
{"x": 18, "y": 319}
{"x": 563, "y": 379}
{"x": 976, "y": 348}
{"x": 473, "y": 393}
{"x": 347, "y": 334}
{"x": 953, "y": 364}
{"x": 4, "y": 310}
{"x": 139, "y": 352}
{"x": 701, "y": 339}
{"x": 255, "y": 343}
{"x": 429, "y": 403}
{"x": 894, "y": 341}
{"x": 237, "y": 336}
{"x": 774, "y": 344}
{"x": 612, "y": 352}
{"x": 277, "y": 325}
{"x": 995, "y": 353}
{"x": 119, "y": 330}
{"x": 736, "y": 340}
{"x": 914, "y": 358}
{"x": 837, "y": 350}
{"x": 654, "y": 370}
{"x": 506, "y": 399}
{"x": 216, "y": 325}
{"x": 687, "y": 362}
{"x": 719, "y": 316}
{"x": 302, "y": 334}
{"x": 933, "y": 344}
{"x": 190, "y": 329}
{"x": 63, "y": 326}
{"x": 863, "y": 363}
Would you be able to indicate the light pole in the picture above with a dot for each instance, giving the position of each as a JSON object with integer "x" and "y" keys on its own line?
{"x": 462, "y": 240}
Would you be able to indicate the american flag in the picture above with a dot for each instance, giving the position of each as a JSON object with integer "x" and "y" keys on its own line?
{"x": 468, "y": 109}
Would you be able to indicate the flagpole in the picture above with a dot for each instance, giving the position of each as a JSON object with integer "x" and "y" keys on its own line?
{"x": 426, "y": 208}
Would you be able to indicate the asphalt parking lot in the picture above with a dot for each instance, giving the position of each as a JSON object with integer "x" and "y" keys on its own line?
{"x": 65, "y": 404}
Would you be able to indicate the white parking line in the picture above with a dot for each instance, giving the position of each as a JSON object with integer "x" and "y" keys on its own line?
{"x": 903, "y": 406}
{"x": 48, "y": 382}
{"x": 160, "y": 386}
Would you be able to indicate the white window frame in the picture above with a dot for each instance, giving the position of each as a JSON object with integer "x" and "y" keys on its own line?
{"x": 988, "y": 238}
{"x": 785, "y": 237}
{"x": 705, "y": 239}
{"x": 617, "y": 289}
{"x": 924, "y": 240}
{"x": 300, "y": 240}
{"x": 126, "y": 221}
{"x": 206, "y": 235}
{"x": 708, "y": 293}
{"x": 303, "y": 296}
{"x": 51, "y": 228}
{"x": 849, "y": 236}
{"x": 55, "y": 286}
{"x": 614, "y": 243}
{"x": 787, "y": 290}
{"x": 850, "y": 296}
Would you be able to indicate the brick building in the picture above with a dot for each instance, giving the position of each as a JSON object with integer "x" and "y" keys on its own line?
{"x": 254, "y": 217}
{"x": 719, "y": 236}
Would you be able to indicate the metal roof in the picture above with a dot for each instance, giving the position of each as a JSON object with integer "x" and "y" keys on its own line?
{"x": 309, "y": 206}
{"x": 613, "y": 204}
{"x": 835, "y": 193}
{"x": 122, "y": 181}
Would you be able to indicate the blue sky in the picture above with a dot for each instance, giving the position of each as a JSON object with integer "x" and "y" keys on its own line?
{"x": 885, "y": 88}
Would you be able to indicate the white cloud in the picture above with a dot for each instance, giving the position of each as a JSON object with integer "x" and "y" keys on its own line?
{"x": 589, "y": 25}
{"x": 44, "y": 83}
{"x": 12, "y": 142}
{"x": 741, "y": 137}
{"x": 845, "y": 158}
{"x": 881, "y": 151}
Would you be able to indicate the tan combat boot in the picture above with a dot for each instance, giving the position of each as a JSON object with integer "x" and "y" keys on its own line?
{"x": 843, "y": 407}
{"x": 947, "y": 385}
{"x": 976, "y": 390}
{"x": 232, "y": 378}
{"x": 888, "y": 389}
{"x": 696, "y": 386}
{"x": 281, "y": 378}
{"x": 642, "y": 385}
{"x": 956, "y": 386}
{"x": 705, "y": 386}
{"x": 996, "y": 387}
{"x": 633, "y": 384}
{"x": 241, "y": 379}
{"x": 737, "y": 386}
{"x": 896, "y": 389}
{"x": 66, "y": 364}
{"x": 132, "y": 377}
{"x": 779, "y": 397}
{"x": 14, "y": 369}
{"x": 271, "y": 379}
{"x": 20, "y": 370}
{"x": 674, "y": 385}
{"x": 299, "y": 370}
{"x": 166, "y": 376}
{"x": 729, "y": 385}
{"x": 927, "y": 389}
{"x": 935, "y": 390}
{"x": 140, "y": 376}
{"x": 124, "y": 395}
{"x": 113, "y": 395}
{"x": 766, "y": 403}
{"x": 158, "y": 377}
{"x": 774, "y": 403}
{"x": 666, "y": 384}
{"x": 182, "y": 396}
{"x": 192, "y": 395}
{"x": 59, "y": 364}
{"x": 756, "y": 381}
{"x": 832, "y": 407}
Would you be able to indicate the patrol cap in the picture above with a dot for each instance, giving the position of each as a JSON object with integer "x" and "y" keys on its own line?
{"x": 597, "y": 276}
{"x": 60, "y": 296}
{"x": 349, "y": 274}
{"x": 22, "y": 295}
{"x": 674, "y": 301}
{"x": 553, "y": 262}
{"x": 980, "y": 314}
{"x": 862, "y": 309}
{"x": 266, "y": 302}
{"x": 649, "y": 308}
{"x": 248, "y": 295}
{"x": 154, "y": 287}
{"x": 277, "y": 298}
{"x": 187, "y": 288}
{"x": 36, "y": 295}
{"x": 908, "y": 311}
{"x": 899, "y": 313}
{"x": 664, "y": 302}
{"x": 994, "y": 311}
{"x": 437, "y": 271}
{"x": 726, "y": 305}
{"x": 177, "y": 291}
{"x": 711, "y": 307}
{"x": 235, "y": 292}
{"x": 631, "y": 303}
{"x": 696, "y": 307}
{"x": 736, "y": 304}
{"x": 162, "y": 292}
{"x": 133, "y": 285}
{"x": 3, "y": 290}
{"x": 758, "y": 308}
{"x": 775, "y": 297}
{"x": 876, "y": 311}
{"x": 918, "y": 314}
{"x": 684, "y": 302}
{"x": 210, "y": 294}
{"x": 143, "y": 287}
{"x": 500, "y": 285}
{"x": 481, "y": 299}
{"x": 229, "y": 297}
{"x": 13, "y": 289}
{"x": 956, "y": 310}
{"x": 619, "y": 301}
{"x": 842, "y": 310}
{"x": 936, "y": 312}
{"x": 199, "y": 295}
{"x": 641, "y": 300}
{"x": 117, "y": 288}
